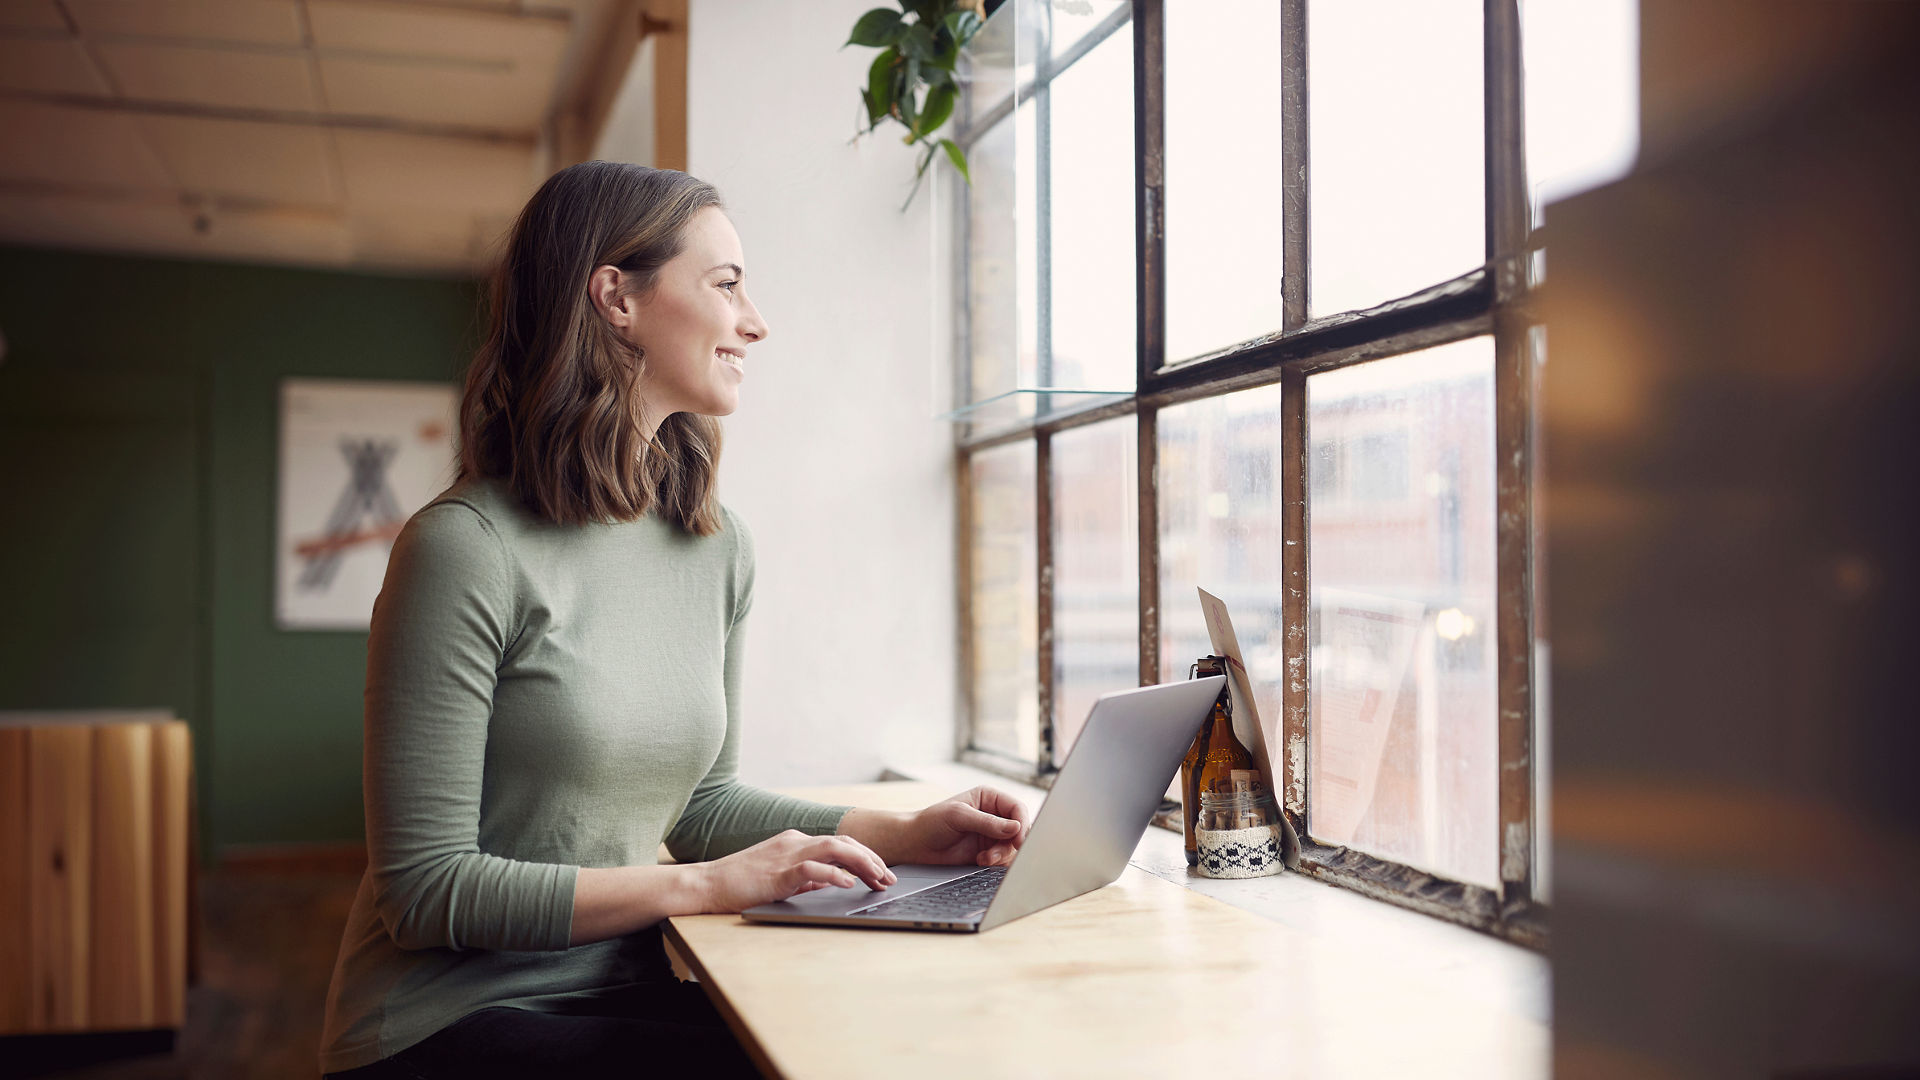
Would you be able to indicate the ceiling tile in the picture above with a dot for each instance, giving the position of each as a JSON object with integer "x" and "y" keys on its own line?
{"x": 391, "y": 169}
{"x": 88, "y": 148}
{"x": 263, "y": 22}
{"x": 235, "y": 78}
{"x": 490, "y": 234}
{"x": 494, "y": 98}
{"x": 99, "y": 224}
{"x": 279, "y": 236}
{"x": 31, "y": 15}
{"x": 426, "y": 31}
{"x": 442, "y": 241}
{"x": 286, "y": 163}
{"x": 46, "y": 65}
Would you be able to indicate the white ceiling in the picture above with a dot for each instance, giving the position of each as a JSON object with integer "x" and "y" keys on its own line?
{"x": 378, "y": 134}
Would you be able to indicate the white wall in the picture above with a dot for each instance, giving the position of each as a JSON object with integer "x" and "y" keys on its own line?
{"x": 834, "y": 458}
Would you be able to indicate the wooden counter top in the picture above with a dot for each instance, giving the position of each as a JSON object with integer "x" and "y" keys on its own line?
{"x": 1141, "y": 978}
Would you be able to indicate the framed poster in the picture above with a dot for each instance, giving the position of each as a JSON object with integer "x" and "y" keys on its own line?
{"x": 356, "y": 460}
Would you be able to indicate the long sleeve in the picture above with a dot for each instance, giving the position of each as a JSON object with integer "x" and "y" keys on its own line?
{"x": 724, "y": 815}
{"x": 444, "y": 619}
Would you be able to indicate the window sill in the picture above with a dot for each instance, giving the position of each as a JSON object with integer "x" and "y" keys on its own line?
{"x": 1391, "y": 941}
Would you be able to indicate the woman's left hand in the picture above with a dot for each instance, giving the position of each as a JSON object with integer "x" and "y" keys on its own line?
{"x": 981, "y": 826}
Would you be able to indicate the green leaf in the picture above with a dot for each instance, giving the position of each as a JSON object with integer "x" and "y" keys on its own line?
{"x": 959, "y": 159}
{"x": 917, "y": 43}
{"x": 939, "y": 106}
{"x": 908, "y": 85}
{"x": 876, "y": 28}
{"x": 962, "y": 25}
{"x": 879, "y": 93}
{"x": 945, "y": 51}
{"x": 937, "y": 77}
{"x": 928, "y": 10}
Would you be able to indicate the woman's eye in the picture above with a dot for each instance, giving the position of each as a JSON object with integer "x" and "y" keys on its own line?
{"x": 728, "y": 285}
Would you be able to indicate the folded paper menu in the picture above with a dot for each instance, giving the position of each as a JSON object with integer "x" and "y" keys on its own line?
{"x": 1254, "y": 733}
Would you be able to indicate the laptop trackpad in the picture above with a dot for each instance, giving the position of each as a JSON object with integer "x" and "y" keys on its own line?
{"x": 835, "y": 900}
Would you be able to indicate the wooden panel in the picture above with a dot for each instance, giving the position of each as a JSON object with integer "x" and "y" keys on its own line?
{"x": 669, "y": 83}
{"x": 172, "y": 777}
{"x": 120, "y": 974}
{"x": 95, "y": 872}
{"x": 60, "y": 855}
{"x": 16, "y": 1011}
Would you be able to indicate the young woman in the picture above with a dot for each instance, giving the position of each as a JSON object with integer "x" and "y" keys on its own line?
{"x": 553, "y": 678}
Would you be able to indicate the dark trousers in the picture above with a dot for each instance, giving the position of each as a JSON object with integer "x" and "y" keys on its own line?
{"x": 666, "y": 1028}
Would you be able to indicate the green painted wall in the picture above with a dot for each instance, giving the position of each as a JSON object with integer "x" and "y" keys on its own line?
{"x": 138, "y": 461}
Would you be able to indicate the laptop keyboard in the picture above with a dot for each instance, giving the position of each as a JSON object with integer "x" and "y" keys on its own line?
{"x": 960, "y": 898}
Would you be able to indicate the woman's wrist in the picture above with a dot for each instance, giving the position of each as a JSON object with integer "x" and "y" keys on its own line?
{"x": 609, "y": 902}
{"x": 882, "y": 831}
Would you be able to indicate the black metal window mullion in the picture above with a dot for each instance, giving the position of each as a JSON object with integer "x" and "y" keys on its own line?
{"x": 1044, "y": 663}
{"x": 1150, "y": 301}
{"x": 1290, "y": 758}
{"x": 1509, "y": 221}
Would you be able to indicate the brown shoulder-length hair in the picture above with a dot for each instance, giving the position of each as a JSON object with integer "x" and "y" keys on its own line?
{"x": 551, "y": 403}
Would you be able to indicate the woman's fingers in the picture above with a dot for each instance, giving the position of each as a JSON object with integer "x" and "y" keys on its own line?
{"x": 855, "y": 856}
{"x": 988, "y": 825}
{"x": 996, "y": 855}
{"x": 1001, "y": 804}
{"x": 820, "y": 875}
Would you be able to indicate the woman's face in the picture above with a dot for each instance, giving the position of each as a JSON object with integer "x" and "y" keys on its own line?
{"x": 694, "y": 327}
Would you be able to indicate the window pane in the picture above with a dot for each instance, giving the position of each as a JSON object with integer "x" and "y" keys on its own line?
{"x": 1403, "y": 738}
{"x": 1072, "y": 21}
{"x": 989, "y": 65}
{"x": 1096, "y": 571}
{"x": 1220, "y": 531}
{"x": 1396, "y": 121}
{"x": 1005, "y": 602}
{"x": 1223, "y": 240}
{"x": 1582, "y": 76}
{"x": 1091, "y": 209}
{"x": 1002, "y": 324}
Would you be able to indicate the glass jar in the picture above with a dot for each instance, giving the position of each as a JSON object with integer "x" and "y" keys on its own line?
{"x": 1238, "y": 835}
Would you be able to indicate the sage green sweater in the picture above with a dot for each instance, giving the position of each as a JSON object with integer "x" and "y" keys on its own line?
{"x": 539, "y": 698}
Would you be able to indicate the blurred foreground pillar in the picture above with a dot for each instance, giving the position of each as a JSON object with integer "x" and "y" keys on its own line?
{"x": 1730, "y": 421}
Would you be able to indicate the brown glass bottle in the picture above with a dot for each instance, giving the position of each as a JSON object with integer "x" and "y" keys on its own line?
{"x": 1213, "y": 757}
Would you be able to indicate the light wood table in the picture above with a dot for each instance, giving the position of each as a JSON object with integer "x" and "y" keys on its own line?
{"x": 1141, "y": 978}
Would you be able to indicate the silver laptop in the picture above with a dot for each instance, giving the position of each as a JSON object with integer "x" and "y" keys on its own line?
{"x": 1106, "y": 793}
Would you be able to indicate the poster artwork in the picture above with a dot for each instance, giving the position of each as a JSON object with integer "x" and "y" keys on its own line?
{"x": 356, "y": 460}
{"x": 1365, "y": 648}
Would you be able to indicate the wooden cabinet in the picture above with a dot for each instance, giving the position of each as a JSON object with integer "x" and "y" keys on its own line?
{"x": 95, "y": 859}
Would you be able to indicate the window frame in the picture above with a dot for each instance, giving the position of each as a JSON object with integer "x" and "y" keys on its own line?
{"x": 1492, "y": 300}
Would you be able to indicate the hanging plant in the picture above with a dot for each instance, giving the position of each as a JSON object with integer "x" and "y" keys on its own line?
{"x": 912, "y": 80}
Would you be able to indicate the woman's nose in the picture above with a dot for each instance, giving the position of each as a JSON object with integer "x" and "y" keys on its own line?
{"x": 755, "y": 327}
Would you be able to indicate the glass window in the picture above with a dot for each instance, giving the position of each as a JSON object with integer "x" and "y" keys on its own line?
{"x": 1220, "y": 531}
{"x": 1396, "y": 119}
{"x": 1090, "y": 146}
{"x": 1005, "y": 602}
{"x": 1582, "y": 79}
{"x": 1222, "y": 216}
{"x": 1096, "y": 571}
{"x": 1003, "y": 327}
{"x": 1403, "y": 737}
{"x": 1074, "y": 19}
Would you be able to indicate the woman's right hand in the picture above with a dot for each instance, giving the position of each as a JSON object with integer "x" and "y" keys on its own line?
{"x": 786, "y": 865}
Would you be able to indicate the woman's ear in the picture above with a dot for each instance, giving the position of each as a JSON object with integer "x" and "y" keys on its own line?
{"x": 604, "y": 288}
